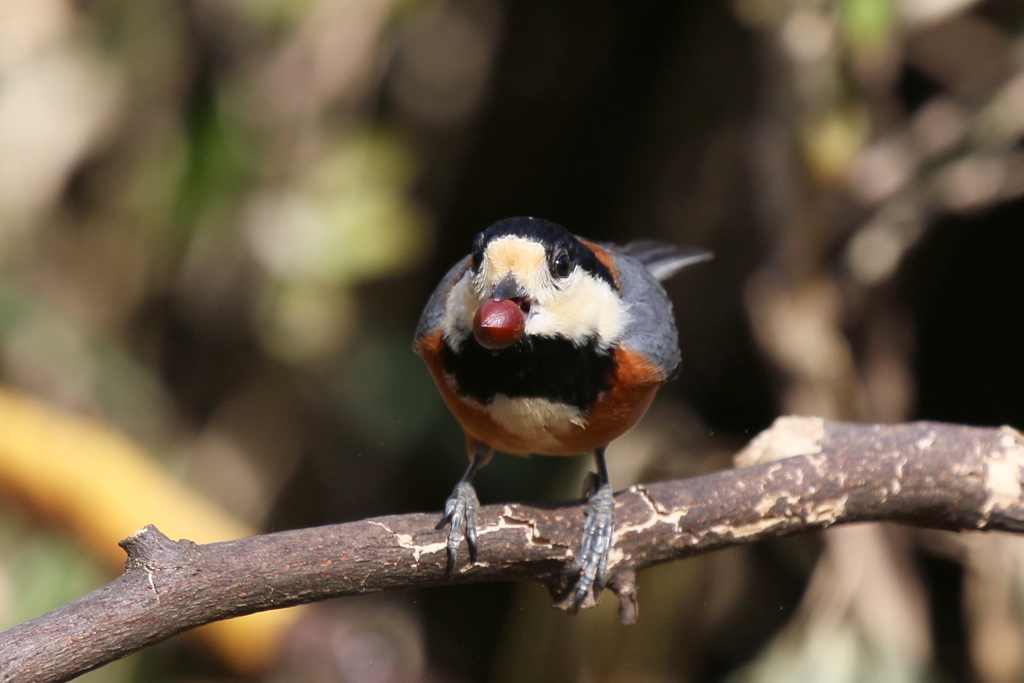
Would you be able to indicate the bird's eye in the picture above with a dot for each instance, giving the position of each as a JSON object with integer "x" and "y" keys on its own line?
{"x": 561, "y": 265}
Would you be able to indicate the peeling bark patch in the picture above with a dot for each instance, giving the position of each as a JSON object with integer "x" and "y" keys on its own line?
{"x": 1002, "y": 475}
{"x": 827, "y": 512}
{"x": 738, "y": 531}
{"x": 509, "y": 520}
{"x": 659, "y": 515}
{"x": 651, "y": 501}
{"x": 768, "y": 503}
{"x": 895, "y": 486}
{"x": 406, "y": 541}
{"x": 788, "y": 436}
{"x": 823, "y": 514}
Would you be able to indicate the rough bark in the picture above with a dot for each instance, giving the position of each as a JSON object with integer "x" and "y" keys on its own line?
{"x": 800, "y": 475}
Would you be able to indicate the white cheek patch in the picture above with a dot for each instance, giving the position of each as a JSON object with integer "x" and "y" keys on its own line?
{"x": 458, "y": 317}
{"x": 585, "y": 307}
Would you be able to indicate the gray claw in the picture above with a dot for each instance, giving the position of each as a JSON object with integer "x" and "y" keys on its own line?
{"x": 592, "y": 560}
{"x": 460, "y": 511}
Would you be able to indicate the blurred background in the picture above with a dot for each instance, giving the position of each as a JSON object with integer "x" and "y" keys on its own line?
{"x": 219, "y": 220}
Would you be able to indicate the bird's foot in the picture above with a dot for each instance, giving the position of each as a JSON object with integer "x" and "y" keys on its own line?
{"x": 592, "y": 561}
{"x": 460, "y": 511}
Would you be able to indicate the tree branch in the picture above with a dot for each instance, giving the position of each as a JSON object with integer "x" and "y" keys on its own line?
{"x": 923, "y": 474}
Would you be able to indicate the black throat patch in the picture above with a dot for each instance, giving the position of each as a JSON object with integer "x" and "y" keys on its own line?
{"x": 553, "y": 368}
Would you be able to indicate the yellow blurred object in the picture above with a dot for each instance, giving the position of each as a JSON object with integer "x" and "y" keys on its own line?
{"x": 832, "y": 144}
{"x": 105, "y": 487}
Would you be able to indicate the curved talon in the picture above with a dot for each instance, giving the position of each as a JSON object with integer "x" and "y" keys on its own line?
{"x": 460, "y": 511}
{"x": 592, "y": 561}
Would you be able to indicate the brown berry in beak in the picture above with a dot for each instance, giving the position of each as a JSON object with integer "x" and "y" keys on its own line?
{"x": 498, "y": 324}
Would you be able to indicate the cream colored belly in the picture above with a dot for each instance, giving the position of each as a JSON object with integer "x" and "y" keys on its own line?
{"x": 533, "y": 425}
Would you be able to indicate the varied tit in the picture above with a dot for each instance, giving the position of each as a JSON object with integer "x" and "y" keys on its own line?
{"x": 544, "y": 343}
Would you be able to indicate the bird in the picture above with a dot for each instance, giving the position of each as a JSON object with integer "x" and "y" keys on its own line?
{"x": 542, "y": 342}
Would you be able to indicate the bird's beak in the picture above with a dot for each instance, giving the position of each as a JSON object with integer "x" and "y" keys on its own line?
{"x": 508, "y": 288}
{"x": 501, "y": 320}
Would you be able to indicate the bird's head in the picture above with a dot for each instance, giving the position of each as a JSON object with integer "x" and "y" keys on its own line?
{"x": 529, "y": 277}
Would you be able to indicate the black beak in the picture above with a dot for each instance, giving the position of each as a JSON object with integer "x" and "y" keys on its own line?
{"x": 508, "y": 288}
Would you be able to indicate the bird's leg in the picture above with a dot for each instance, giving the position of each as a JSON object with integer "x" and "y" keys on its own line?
{"x": 592, "y": 560}
{"x": 460, "y": 508}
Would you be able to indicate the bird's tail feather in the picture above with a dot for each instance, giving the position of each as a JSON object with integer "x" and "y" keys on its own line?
{"x": 662, "y": 259}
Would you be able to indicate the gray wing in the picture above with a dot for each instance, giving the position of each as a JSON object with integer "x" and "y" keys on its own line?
{"x": 661, "y": 258}
{"x": 651, "y": 329}
{"x": 433, "y": 314}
